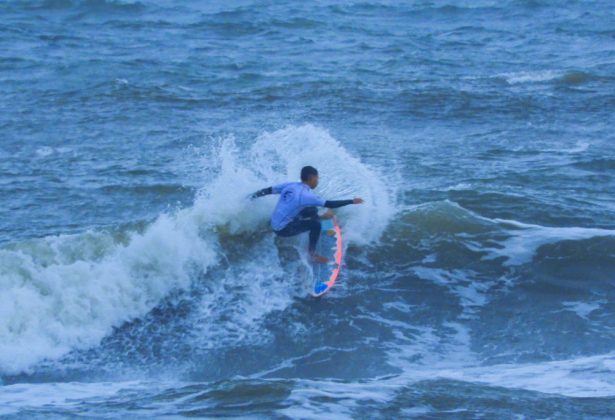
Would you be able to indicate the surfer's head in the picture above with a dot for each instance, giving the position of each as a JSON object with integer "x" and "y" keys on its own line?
{"x": 309, "y": 176}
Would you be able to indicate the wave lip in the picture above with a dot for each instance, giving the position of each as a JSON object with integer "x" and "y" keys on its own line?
{"x": 57, "y": 296}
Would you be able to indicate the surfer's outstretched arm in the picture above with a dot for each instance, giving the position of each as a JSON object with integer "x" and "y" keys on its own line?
{"x": 333, "y": 204}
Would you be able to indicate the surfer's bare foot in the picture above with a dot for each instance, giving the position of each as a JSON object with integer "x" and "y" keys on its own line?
{"x": 319, "y": 259}
{"x": 327, "y": 215}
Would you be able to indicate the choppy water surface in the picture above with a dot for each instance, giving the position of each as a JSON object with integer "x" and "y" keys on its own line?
{"x": 135, "y": 280}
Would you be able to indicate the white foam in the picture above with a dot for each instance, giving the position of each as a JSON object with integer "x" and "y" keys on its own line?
{"x": 247, "y": 292}
{"x": 567, "y": 148}
{"x": 45, "y": 151}
{"x": 428, "y": 356}
{"x": 465, "y": 284}
{"x": 318, "y": 399}
{"x": 14, "y": 398}
{"x": 531, "y": 76}
{"x": 461, "y": 186}
{"x": 579, "y": 147}
{"x": 583, "y": 309}
{"x": 591, "y": 376}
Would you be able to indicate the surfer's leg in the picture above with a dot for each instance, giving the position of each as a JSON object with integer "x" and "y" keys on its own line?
{"x": 315, "y": 227}
{"x": 301, "y": 223}
{"x": 298, "y": 226}
{"x": 310, "y": 224}
{"x": 293, "y": 228}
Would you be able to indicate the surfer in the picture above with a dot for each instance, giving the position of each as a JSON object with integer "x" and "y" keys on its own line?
{"x": 296, "y": 210}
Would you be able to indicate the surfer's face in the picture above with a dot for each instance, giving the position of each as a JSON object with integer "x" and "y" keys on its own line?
{"x": 313, "y": 181}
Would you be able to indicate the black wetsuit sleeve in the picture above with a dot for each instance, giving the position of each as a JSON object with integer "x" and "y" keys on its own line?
{"x": 333, "y": 204}
{"x": 264, "y": 191}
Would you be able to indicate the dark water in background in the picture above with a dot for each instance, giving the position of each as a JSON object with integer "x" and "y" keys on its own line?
{"x": 136, "y": 281}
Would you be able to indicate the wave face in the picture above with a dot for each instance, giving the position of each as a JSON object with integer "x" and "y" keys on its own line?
{"x": 137, "y": 280}
{"x": 65, "y": 293}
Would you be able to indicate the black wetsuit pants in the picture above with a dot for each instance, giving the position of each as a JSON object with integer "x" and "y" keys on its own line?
{"x": 306, "y": 221}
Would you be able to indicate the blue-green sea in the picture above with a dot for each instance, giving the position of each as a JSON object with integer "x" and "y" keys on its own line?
{"x": 137, "y": 281}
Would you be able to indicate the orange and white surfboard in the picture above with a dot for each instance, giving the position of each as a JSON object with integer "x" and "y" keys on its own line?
{"x": 330, "y": 246}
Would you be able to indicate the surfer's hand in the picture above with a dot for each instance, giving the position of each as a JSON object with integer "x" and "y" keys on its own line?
{"x": 327, "y": 215}
{"x": 357, "y": 200}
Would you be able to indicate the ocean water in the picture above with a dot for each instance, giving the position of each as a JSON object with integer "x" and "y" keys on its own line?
{"x": 137, "y": 281}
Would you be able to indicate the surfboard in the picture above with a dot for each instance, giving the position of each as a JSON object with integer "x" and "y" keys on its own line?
{"x": 330, "y": 246}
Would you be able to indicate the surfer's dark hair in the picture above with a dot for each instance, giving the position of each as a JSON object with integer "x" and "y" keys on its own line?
{"x": 307, "y": 172}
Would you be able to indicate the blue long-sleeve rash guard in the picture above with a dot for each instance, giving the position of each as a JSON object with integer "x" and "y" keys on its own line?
{"x": 294, "y": 197}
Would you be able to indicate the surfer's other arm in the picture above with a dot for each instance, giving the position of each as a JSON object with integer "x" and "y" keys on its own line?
{"x": 260, "y": 193}
{"x": 275, "y": 189}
